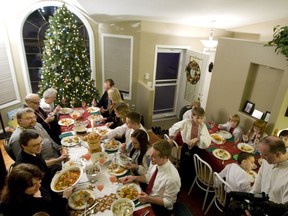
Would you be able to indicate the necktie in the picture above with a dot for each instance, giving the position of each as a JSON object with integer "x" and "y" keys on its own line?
{"x": 151, "y": 182}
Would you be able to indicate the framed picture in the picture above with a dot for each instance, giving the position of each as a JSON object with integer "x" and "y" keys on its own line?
{"x": 266, "y": 116}
{"x": 257, "y": 114}
{"x": 248, "y": 107}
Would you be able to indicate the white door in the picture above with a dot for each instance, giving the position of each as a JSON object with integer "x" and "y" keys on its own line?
{"x": 172, "y": 90}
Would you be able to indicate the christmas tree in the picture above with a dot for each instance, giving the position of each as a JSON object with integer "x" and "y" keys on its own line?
{"x": 66, "y": 65}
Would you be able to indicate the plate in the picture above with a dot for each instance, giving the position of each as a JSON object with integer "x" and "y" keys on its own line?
{"x": 260, "y": 161}
{"x": 129, "y": 191}
{"x": 116, "y": 169}
{"x": 95, "y": 156}
{"x": 66, "y": 122}
{"x": 111, "y": 145}
{"x": 218, "y": 139}
{"x": 65, "y": 111}
{"x": 244, "y": 147}
{"x": 93, "y": 109}
{"x": 66, "y": 178}
{"x": 252, "y": 175}
{"x": 95, "y": 117}
{"x": 101, "y": 132}
{"x": 81, "y": 199}
{"x": 221, "y": 154}
{"x": 70, "y": 141}
{"x": 76, "y": 162}
{"x": 225, "y": 134}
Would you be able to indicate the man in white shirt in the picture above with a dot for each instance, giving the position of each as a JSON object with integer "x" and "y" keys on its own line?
{"x": 165, "y": 187}
{"x": 272, "y": 177}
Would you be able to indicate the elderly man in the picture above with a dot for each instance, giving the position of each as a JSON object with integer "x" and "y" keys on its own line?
{"x": 272, "y": 177}
{"x": 46, "y": 120}
{"x": 51, "y": 151}
{"x": 162, "y": 178}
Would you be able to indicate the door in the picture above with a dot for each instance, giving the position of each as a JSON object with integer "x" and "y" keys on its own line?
{"x": 172, "y": 90}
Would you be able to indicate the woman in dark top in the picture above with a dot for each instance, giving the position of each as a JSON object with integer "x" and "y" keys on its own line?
{"x": 23, "y": 194}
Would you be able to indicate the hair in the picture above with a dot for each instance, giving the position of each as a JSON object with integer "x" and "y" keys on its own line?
{"x": 110, "y": 81}
{"x": 261, "y": 124}
{"x": 18, "y": 180}
{"x": 115, "y": 95}
{"x": 135, "y": 117}
{"x": 243, "y": 156}
{"x": 122, "y": 109}
{"x": 235, "y": 118}
{"x": 195, "y": 103}
{"x": 163, "y": 147}
{"x": 22, "y": 111}
{"x": 50, "y": 92}
{"x": 275, "y": 144}
{"x": 283, "y": 133}
{"x": 198, "y": 111}
{"x": 27, "y": 135}
{"x": 29, "y": 97}
{"x": 142, "y": 138}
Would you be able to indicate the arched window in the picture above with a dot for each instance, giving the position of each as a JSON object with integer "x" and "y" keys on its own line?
{"x": 33, "y": 33}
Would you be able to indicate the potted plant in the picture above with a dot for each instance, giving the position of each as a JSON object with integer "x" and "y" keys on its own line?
{"x": 280, "y": 40}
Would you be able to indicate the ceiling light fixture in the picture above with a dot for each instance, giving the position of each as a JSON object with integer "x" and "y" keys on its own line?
{"x": 210, "y": 43}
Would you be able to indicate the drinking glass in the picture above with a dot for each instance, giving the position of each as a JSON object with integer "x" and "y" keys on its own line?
{"x": 100, "y": 187}
{"x": 101, "y": 160}
{"x": 245, "y": 138}
{"x": 112, "y": 179}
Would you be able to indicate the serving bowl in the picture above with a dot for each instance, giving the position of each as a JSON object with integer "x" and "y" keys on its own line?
{"x": 92, "y": 172}
{"x": 123, "y": 206}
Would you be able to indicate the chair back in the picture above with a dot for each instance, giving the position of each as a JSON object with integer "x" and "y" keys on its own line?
{"x": 203, "y": 171}
{"x": 176, "y": 152}
{"x": 221, "y": 187}
{"x": 8, "y": 149}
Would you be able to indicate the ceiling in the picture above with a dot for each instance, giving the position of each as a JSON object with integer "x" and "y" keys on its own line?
{"x": 220, "y": 14}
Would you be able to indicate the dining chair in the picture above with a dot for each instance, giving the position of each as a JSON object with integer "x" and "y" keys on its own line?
{"x": 176, "y": 151}
{"x": 203, "y": 178}
{"x": 220, "y": 186}
{"x": 8, "y": 149}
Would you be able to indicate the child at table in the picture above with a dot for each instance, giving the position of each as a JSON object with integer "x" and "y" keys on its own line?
{"x": 236, "y": 174}
{"x": 233, "y": 127}
{"x": 284, "y": 136}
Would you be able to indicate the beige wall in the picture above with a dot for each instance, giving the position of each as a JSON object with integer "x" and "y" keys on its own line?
{"x": 230, "y": 80}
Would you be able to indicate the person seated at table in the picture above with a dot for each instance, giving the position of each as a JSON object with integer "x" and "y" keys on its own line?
{"x": 47, "y": 102}
{"x": 257, "y": 131}
{"x": 232, "y": 126}
{"x": 139, "y": 152}
{"x": 162, "y": 178}
{"x": 188, "y": 113}
{"x": 48, "y": 121}
{"x": 109, "y": 115}
{"x": 284, "y": 136}
{"x": 236, "y": 174}
{"x": 23, "y": 194}
{"x": 132, "y": 123}
{"x": 195, "y": 136}
{"x": 31, "y": 147}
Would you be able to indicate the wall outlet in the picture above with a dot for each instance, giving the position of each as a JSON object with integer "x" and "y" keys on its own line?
{"x": 147, "y": 76}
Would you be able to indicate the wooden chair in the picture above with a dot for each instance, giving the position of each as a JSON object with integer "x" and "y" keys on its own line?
{"x": 220, "y": 187}
{"x": 176, "y": 152}
{"x": 8, "y": 149}
{"x": 203, "y": 178}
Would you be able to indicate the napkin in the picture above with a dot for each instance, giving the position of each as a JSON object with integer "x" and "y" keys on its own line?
{"x": 210, "y": 149}
{"x": 66, "y": 134}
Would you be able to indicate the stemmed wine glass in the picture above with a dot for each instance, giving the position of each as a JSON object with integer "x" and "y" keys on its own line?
{"x": 112, "y": 179}
{"x": 100, "y": 187}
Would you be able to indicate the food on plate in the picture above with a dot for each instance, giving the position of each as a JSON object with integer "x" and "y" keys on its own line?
{"x": 97, "y": 155}
{"x": 92, "y": 169}
{"x": 111, "y": 145}
{"x": 128, "y": 191}
{"x": 222, "y": 154}
{"x": 65, "y": 110}
{"x": 93, "y": 109}
{"x": 245, "y": 147}
{"x": 92, "y": 138}
{"x": 101, "y": 132}
{"x": 66, "y": 122}
{"x": 252, "y": 175}
{"x": 73, "y": 163}
{"x": 115, "y": 168}
{"x": 225, "y": 134}
{"x": 69, "y": 141}
{"x": 218, "y": 139}
{"x": 80, "y": 129}
{"x": 122, "y": 207}
{"x": 81, "y": 199}
{"x": 67, "y": 179}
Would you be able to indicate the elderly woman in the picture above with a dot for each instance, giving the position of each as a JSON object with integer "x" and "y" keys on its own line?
{"x": 47, "y": 102}
{"x": 23, "y": 194}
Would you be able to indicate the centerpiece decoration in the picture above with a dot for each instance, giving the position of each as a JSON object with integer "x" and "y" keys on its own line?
{"x": 94, "y": 140}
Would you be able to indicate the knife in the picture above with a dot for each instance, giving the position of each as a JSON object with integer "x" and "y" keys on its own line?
{"x": 89, "y": 209}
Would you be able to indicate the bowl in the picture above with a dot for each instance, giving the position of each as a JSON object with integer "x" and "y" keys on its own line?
{"x": 66, "y": 178}
{"x": 123, "y": 206}
{"x": 80, "y": 129}
{"x": 92, "y": 171}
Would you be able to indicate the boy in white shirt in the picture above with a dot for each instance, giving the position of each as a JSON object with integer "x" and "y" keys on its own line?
{"x": 284, "y": 136}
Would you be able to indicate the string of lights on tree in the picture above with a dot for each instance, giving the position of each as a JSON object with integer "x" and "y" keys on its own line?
{"x": 66, "y": 65}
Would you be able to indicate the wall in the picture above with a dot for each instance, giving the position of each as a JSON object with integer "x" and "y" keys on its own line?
{"x": 227, "y": 94}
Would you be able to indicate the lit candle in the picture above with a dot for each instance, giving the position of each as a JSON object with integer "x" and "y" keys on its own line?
{"x": 92, "y": 124}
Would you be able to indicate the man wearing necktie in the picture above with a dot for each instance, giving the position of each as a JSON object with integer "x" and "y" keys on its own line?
{"x": 162, "y": 178}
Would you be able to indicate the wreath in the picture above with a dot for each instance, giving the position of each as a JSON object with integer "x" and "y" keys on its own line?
{"x": 193, "y": 68}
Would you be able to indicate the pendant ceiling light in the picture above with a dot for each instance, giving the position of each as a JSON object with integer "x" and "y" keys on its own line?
{"x": 210, "y": 43}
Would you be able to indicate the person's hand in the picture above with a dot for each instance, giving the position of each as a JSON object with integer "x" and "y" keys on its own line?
{"x": 63, "y": 157}
{"x": 127, "y": 179}
{"x": 132, "y": 166}
{"x": 192, "y": 142}
{"x": 247, "y": 213}
{"x": 143, "y": 197}
{"x": 37, "y": 194}
{"x": 102, "y": 110}
{"x": 67, "y": 192}
{"x": 50, "y": 118}
{"x": 123, "y": 147}
{"x": 56, "y": 110}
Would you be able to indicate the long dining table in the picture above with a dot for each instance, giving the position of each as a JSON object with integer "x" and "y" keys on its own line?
{"x": 108, "y": 194}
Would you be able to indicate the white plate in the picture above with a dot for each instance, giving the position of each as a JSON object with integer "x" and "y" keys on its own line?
{"x": 218, "y": 139}
{"x": 225, "y": 134}
{"x": 65, "y": 111}
{"x": 221, "y": 154}
{"x": 81, "y": 199}
{"x": 252, "y": 174}
{"x": 76, "y": 162}
{"x": 93, "y": 109}
{"x": 130, "y": 191}
{"x": 66, "y": 175}
{"x": 66, "y": 122}
{"x": 116, "y": 169}
{"x": 244, "y": 147}
{"x": 95, "y": 156}
{"x": 111, "y": 145}
{"x": 70, "y": 141}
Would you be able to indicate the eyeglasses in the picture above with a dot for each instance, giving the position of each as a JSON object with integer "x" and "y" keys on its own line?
{"x": 36, "y": 145}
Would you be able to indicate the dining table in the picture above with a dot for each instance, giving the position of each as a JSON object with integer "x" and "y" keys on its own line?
{"x": 77, "y": 154}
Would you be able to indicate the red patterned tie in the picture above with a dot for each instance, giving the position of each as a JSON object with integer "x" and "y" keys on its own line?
{"x": 151, "y": 182}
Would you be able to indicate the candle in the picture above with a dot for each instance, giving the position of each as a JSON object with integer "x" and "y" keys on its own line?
{"x": 92, "y": 124}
